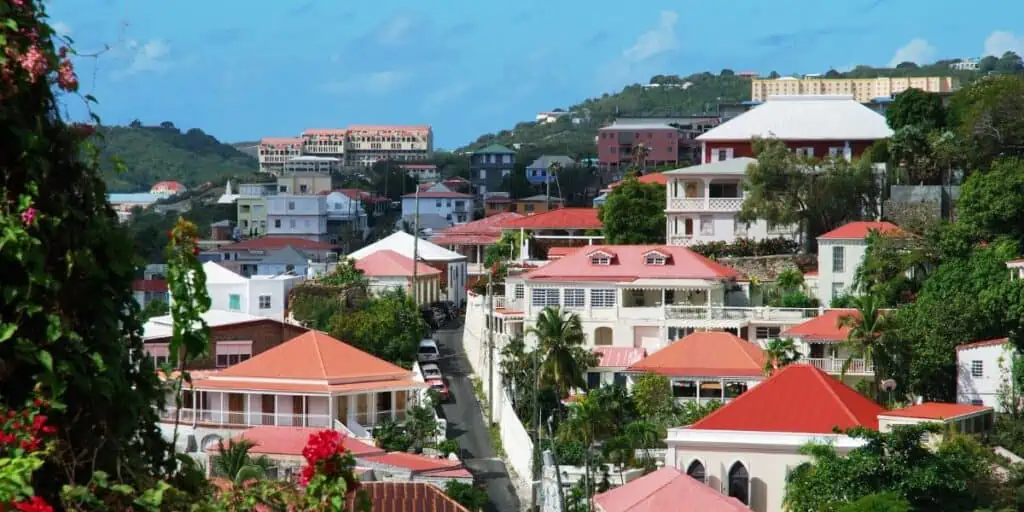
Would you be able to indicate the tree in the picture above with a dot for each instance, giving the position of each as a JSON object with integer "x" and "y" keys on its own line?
{"x": 389, "y": 180}
{"x": 894, "y": 267}
{"x": 779, "y": 353}
{"x": 988, "y": 64}
{"x": 727, "y": 72}
{"x": 865, "y": 339}
{"x": 564, "y": 359}
{"x": 421, "y": 426}
{"x": 346, "y": 275}
{"x": 468, "y": 495}
{"x": 989, "y": 114}
{"x": 389, "y": 326}
{"x": 516, "y": 183}
{"x": 773, "y": 75}
{"x": 153, "y": 308}
{"x": 234, "y": 462}
{"x": 653, "y": 395}
{"x": 785, "y": 189}
{"x": 1010, "y": 62}
{"x": 831, "y": 73}
{"x": 956, "y": 476}
{"x": 634, "y": 213}
{"x": 907, "y": 65}
{"x": 992, "y": 202}
{"x": 918, "y": 108}
{"x": 880, "y": 502}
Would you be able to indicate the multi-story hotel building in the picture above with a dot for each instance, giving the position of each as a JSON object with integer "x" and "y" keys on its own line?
{"x": 357, "y": 145}
{"x": 862, "y": 89}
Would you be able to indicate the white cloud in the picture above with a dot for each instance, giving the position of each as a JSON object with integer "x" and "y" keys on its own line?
{"x": 377, "y": 82}
{"x": 395, "y": 30}
{"x": 1000, "y": 42}
{"x": 917, "y": 50}
{"x": 61, "y": 29}
{"x": 149, "y": 57}
{"x": 656, "y": 41}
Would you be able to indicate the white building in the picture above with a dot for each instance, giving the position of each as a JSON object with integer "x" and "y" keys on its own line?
{"x": 983, "y": 367}
{"x": 840, "y": 252}
{"x": 318, "y": 164}
{"x": 388, "y": 270}
{"x": 302, "y": 216}
{"x": 452, "y": 265}
{"x": 264, "y": 296}
{"x": 820, "y": 342}
{"x": 422, "y": 172}
{"x": 965, "y": 65}
{"x": 347, "y": 210}
{"x": 455, "y": 207}
{"x": 704, "y": 201}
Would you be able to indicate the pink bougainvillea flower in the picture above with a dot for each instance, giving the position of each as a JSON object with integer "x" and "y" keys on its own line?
{"x": 29, "y": 215}
{"x": 66, "y": 77}
{"x": 33, "y": 504}
{"x": 34, "y": 63}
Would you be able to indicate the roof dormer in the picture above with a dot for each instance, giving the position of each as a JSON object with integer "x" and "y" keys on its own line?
{"x": 601, "y": 257}
{"x": 655, "y": 257}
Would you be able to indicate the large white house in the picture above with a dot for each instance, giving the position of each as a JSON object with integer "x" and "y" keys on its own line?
{"x": 454, "y": 207}
{"x": 303, "y": 216}
{"x": 265, "y": 296}
{"x": 841, "y": 251}
{"x": 704, "y": 201}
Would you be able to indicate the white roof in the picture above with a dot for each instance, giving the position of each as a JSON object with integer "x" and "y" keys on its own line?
{"x": 402, "y": 242}
{"x": 216, "y": 274}
{"x": 163, "y": 326}
{"x": 731, "y": 166}
{"x": 812, "y": 117}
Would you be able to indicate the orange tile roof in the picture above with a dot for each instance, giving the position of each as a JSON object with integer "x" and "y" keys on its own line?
{"x": 420, "y": 464}
{"x": 388, "y": 128}
{"x": 619, "y": 357}
{"x": 797, "y": 399}
{"x": 936, "y": 411}
{"x": 315, "y": 356}
{"x": 984, "y": 343}
{"x": 440, "y": 194}
{"x": 561, "y": 252}
{"x": 388, "y": 263}
{"x": 860, "y": 230}
{"x": 406, "y": 497}
{"x": 281, "y": 140}
{"x": 270, "y": 243}
{"x": 706, "y": 354}
{"x": 562, "y": 218}
{"x": 825, "y": 327}
{"x": 654, "y": 177}
{"x": 666, "y": 489}
{"x": 271, "y": 440}
{"x": 628, "y": 265}
{"x": 312, "y": 386}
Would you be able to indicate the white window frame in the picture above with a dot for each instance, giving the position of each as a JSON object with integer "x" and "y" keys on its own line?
{"x": 764, "y": 332}
{"x": 269, "y": 301}
{"x": 838, "y": 289}
{"x": 519, "y": 291}
{"x": 603, "y": 297}
{"x": 836, "y": 152}
{"x": 838, "y": 258}
{"x": 977, "y": 368}
{"x": 575, "y": 298}
{"x": 545, "y": 297}
{"x": 654, "y": 259}
{"x": 707, "y": 225}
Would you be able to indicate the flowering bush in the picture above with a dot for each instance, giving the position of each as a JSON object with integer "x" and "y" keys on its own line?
{"x": 746, "y": 247}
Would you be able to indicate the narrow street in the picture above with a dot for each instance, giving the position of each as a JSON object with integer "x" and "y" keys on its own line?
{"x": 466, "y": 424}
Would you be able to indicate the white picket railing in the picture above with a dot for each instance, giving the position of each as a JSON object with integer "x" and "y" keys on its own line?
{"x": 835, "y": 365}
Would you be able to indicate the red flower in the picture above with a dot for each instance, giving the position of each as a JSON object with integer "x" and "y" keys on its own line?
{"x": 33, "y": 504}
{"x": 306, "y": 475}
{"x": 321, "y": 446}
{"x": 34, "y": 63}
{"x": 29, "y": 215}
{"x": 66, "y": 78}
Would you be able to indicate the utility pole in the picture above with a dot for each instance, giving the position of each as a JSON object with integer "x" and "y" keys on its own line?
{"x": 416, "y": 246}
{"x": 490, "y": 351}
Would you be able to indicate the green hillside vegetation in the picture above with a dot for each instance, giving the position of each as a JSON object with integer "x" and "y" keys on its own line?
{"x": 155, "y": 153}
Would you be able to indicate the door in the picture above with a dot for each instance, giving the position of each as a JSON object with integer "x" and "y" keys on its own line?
{"x": 343, "y": 409}
{"x": 269, "y": 408}
{"x": 688, "y": 227}
{"x": 236, "y": 409}
{"x": 298, "y": 414}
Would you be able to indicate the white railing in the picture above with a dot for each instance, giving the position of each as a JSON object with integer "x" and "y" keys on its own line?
{"x": 739, "y": 313}
{"x": 681, "y": 240}
{"x": 686, "y": 203}
{"x": 835, "y": 365}
{"x": 721, "y": 204}
{"x": 726, "y": 204}
{"x": 246, "y": 419}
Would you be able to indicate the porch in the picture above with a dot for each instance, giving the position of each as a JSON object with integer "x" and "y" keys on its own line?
{"x": 705, "y": 194}
{"x": 710, "y": 389}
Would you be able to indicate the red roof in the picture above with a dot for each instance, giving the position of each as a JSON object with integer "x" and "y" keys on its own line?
{"x": 666, "y": 489}
{"x": 936, "y": 411}
{"x": 562, "y": 218}
{"x": 985, "y": 343}
{"x": 860, "y": 230}
{"x": 271, "y": 243}
{"x": 654, "y": 177}
{"x": 405, "y": 497}
{"x": 561, "y": 252}
{"x": 270, "y": 440}
{"x": 442, "y": 194}
{"x": 360, "y": 195}
{"x": 388, "y": 263}
{"x": 811, "y": 273}
{"x": 419, "y": 464}
{"x": 315, "y": 356}
{"x": 150, "y": 285}
{"x": 706, "y": 354}
{"x": 416, "y": 167}
{"x": 825, "y": 327}
{"x": 167, "y": 185}
{"x": 619, "y": 357}
{"x": 485, "y": 231}
{"x": 797, "y": 399}
{"x": 628, "y": 264}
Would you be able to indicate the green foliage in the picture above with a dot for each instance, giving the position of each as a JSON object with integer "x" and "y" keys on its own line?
{"x": 564, "y": 359}
{"x": 880, "y": 502}
{"x": 792, "y": 299}
{"x": 992, "y": 202}
{"x": 519, "y": 369}
{"x": 234, "y": 462}
{"x": 893, "y": 268}
{"x": 746, "y": 247}
{"x": 691, "y": 411}
{"x": 448, "y": 447}
{"x": 634, "y": 213}
{"x": 653, "y": 395}
{"x": 918, "y": 108}
{"x": 388, "y": 179}
{"x": 346, "y": 275}
{"x": 989, "y": 114}
{"x": 957, "y": 476}
{"x": 790, "y": 279}
{"x": 152, "y": 309}
{"x": 468, "y": 495}
{"x": 389, "y": 326}
{"x": 391, "y": 436}
{"x": 779, "y": 353}
{"x": 154, "y": 153}
{"x": 148, "y": 228}
{"x": 506, "y": 249}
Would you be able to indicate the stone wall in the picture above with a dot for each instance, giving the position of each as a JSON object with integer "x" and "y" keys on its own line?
{"x": 767, "y": 268}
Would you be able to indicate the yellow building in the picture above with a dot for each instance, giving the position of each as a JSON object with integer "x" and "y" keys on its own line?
{"x": 303, "y": 183}
{"x": 862, "y": 89}
{"x": 252, "y": 215}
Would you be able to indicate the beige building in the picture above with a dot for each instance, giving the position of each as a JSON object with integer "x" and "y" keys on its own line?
{"x": 357, "y": 145}
{"x": 303, "y": 183}
{"x": 275, "y": 151}
{"x": 862, "y": 89}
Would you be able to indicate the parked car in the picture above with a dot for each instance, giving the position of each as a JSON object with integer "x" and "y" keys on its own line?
{"x": 430, "y": 371}
{"x": 428, "y": 351}
{"x": 440, "y": 386}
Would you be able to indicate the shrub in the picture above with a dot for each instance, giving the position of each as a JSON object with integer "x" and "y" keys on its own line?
{"x": 746, "y": 247}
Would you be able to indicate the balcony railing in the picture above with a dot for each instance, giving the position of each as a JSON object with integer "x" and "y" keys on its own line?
{"x": 739, "y": 313}
{"x": 835, "y": 365}
{"x": 717, "y": 204}
{"x": 686, "y": 203}
{"x": 246, "y": 419}
{"x": 725, "y": 204}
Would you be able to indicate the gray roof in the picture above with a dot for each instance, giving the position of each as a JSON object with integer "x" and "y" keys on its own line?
{"x": 428, "y": 221}
{"x": 730, "y": 166}
{"x": 540, "y": 197}
{"x": 495, "y": 149}
{"x": 545, "y": 161}
{"x": 286, "y": 255}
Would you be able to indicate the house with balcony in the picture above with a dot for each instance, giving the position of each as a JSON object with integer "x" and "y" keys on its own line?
{"x": 422, "y": 173}
{"x": 562, "y": 227}
{"x": 303, "y": 183}
{"x": 707, "y": 366}
{"x": 312, "y": 380}
{"x": 667, "y": 140}
{"x": 489, "y": 166}
{"x": 297, "y": 216}
{"x": 820, "y": 342}
{"x": 704, "y": 202}
{"x": 251, "y": 207}
{"x": 454, "y": 207}
{"x": 258, "y": 295}
{"x": 472, "y": 238}
{"x": 841, "y": 251}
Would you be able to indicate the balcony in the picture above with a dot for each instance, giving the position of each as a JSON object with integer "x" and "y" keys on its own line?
{"x": 242, "y": 419}
{"x": 835, "y": 365}
{"x": 768, "y": 314}
{"x": 713, "y": 204}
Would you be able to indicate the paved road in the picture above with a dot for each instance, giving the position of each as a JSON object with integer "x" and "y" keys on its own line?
{"x": 466, "y": 424}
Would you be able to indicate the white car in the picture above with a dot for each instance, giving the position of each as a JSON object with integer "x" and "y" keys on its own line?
{"x": 430, "y": 371}
{"x": 428, "y": 351}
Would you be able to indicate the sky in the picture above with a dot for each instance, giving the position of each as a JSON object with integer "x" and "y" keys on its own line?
{"x": 241, "y": 70}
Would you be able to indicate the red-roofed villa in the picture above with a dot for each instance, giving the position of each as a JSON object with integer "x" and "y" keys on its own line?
{"x": 841, "y": 251}
{"x": 389, "y": 270}
{"x": 556, "y": 228}
{"x": 820, "y": 342}
{"x": 471, "y": 239}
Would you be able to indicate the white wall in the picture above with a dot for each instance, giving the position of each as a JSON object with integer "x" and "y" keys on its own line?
{"x": 853, "y": 254}
{"x": 220, "y": 296}
{"x": 457, "y": 272}
{"x": 296, "y": 215}
{"x": 444, "y": 207}
{"x": 249, "y": 293}
{"x": 986, "y": 387}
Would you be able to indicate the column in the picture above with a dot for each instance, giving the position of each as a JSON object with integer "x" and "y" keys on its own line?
{"x": 847, "y": 151}
{"x": 393, "y": 402}
{"x": 524, "y": 246}
{"x": 248, "y": 410}
{"x": 707, "y": 193}
{"x": 479, "y": 256}
{"x": 330, "y": 411}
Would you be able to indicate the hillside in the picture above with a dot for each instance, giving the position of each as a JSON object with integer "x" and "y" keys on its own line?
{"x": 671, "y": 97}
{"x": 154, "y": 153}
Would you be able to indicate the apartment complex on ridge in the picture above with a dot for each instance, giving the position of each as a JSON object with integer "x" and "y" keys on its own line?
{"x": 355, "y": 146}
{"x": 862, "y": 89}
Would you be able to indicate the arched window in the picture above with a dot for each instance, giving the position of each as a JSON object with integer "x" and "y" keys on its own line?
{"x": 739, "y": 483}
{"x": 696, "y": 471}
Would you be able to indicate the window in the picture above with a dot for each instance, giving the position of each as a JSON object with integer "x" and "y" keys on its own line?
{"x": 977, "y": 402}
{"x": 448, "y": 203}
{"x": 838, "y": 259}
{"x": 835, "y": 152}
{"x": 600, "y": 258}
{"x": 808, "y": 152}
{"x": 303, "y": 188}
{"x": 235, "y": 302}
{"x": 160, "y": 352}
{"x": 543, "y": 297}
{"x": 654, "y": 259}
{"x": 483, "y": 174}
{"x": 739, "y": 483}
{"x": 291, "y": 223}
{"x": 519, "y": 292}
{"x": 684, "y": 389}
{"x": 291, "y": 205}
{"x": 264, "y": 301}
{"x": 725, "y": 154}
{"x": 233, "y": 352}
{"x": 707, "y": 225}
{"x": 277, "y": 223}
{"x": 575, "y": 298}
{"x": 696, "y": 471}
{"x": 977, "y": 368}
{"x": 602, "y": 298}
{"x": 283, "y": 188}
{"x": 437, "y": 203}
{"x": 593, "y": 380}
{"x": 837, "y": 289}
{"x": 767, "y": 332}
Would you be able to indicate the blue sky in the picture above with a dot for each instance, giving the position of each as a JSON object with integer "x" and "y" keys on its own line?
{"x": 245, "y": 69}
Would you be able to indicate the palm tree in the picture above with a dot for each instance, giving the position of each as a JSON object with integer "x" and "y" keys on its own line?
{"x": 867, "y": 330}
{"x": 564, "y": 360}
{"x": 780, "y": 353}
{"x": 586, "y": 419}
{"x": 234, "y": 463}
{"x": 640, "y": 153}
